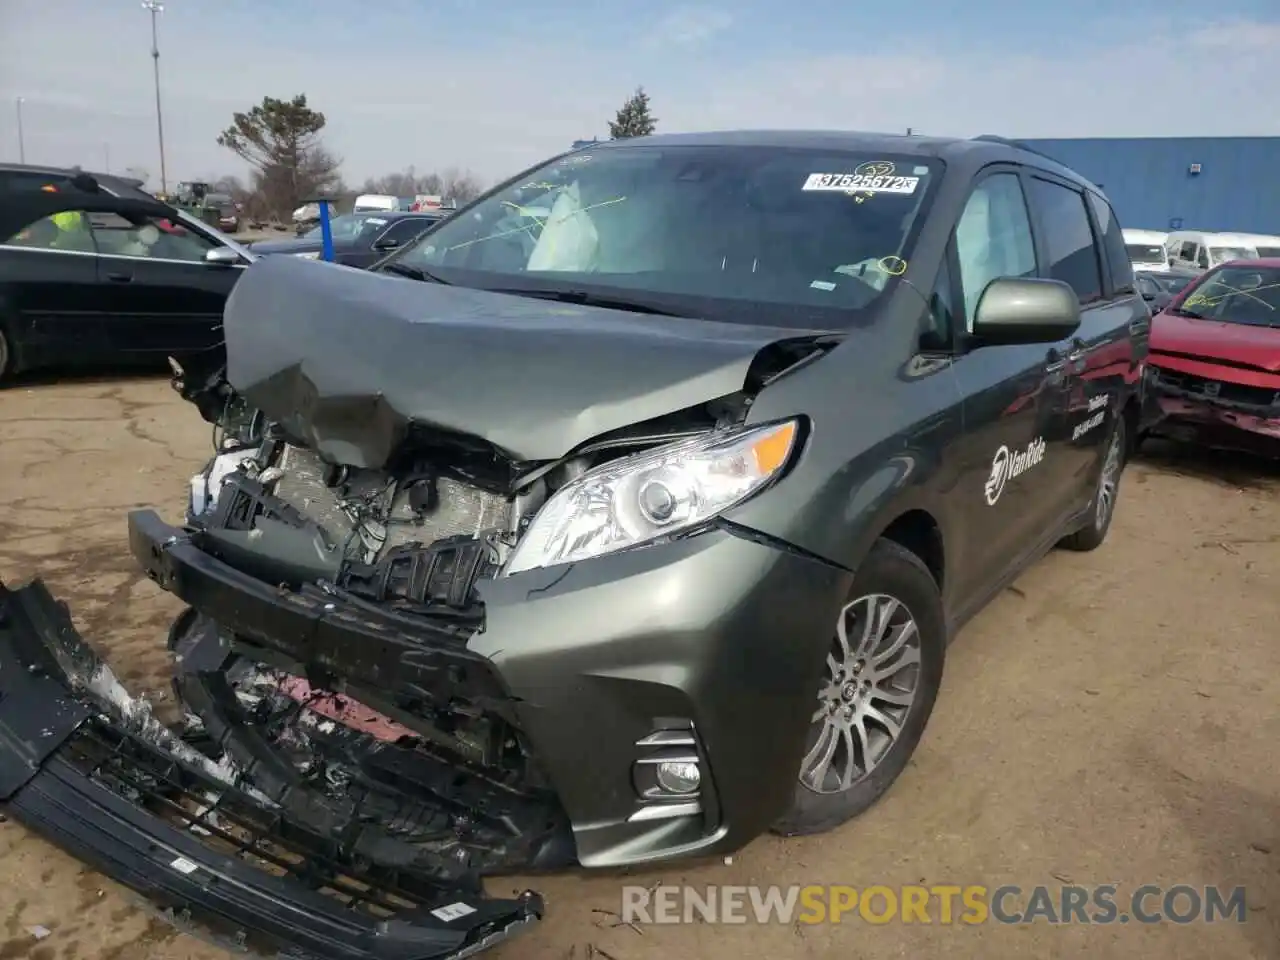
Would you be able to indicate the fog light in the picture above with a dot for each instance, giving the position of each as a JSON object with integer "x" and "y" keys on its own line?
{"x": 679, "y": 777}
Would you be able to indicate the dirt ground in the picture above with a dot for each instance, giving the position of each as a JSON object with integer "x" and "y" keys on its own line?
{"x": 1114, "y": 717}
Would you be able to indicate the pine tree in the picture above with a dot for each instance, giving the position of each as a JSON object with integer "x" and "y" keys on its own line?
{"x": 634, "y": 119}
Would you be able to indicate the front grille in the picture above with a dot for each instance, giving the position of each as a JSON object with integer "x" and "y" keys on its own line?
{"x": 1220, "y": 390}
{"x": 457, "y": 509}
{"x": 227, "y": 821}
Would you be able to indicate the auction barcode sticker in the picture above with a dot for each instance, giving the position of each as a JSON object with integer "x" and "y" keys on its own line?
{"x": 860, "y": 183}
{"x": 452, "y": 911}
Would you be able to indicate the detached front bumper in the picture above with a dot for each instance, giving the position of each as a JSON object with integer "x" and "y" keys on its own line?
{"x": 708, "y": 649}
{"x": 92, "y": 771}
{"x": 1195, "y": 417}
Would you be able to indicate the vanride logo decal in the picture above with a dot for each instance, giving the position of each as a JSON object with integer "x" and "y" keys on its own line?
{"x": 1006, "y": 465}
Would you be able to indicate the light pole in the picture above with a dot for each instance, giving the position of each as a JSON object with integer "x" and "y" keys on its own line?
{"x": 155, "y": 6}
{"x": 22, "y": 147}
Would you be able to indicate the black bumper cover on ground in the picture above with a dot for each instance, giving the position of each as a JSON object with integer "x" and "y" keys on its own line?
{"x": 44, "y": 785}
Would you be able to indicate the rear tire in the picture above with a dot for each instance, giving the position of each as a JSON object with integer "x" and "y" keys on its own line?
{"x": 1105, "y": 494}
{"x": 874, "y": 682}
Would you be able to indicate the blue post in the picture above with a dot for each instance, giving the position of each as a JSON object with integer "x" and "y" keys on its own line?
{"x": 326, "y": 234}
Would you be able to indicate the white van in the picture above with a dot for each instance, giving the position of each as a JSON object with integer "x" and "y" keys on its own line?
{"x": 1266, "y": 244}
{"x": 1201, "y": 249}
{"x": 1146, "y": 250}
{"x": 381, "y": 203}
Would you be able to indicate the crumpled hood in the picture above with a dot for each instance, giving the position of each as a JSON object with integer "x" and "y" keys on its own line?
{"x": 1236, "y": 343}
{"x": 346, "y": 360}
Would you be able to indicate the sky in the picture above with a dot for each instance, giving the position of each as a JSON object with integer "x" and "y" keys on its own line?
{"x": 492, "y": 88}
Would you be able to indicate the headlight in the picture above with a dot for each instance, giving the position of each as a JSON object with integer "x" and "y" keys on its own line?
{"x": 312, "y": 255}
{"x": 653, "y": 494}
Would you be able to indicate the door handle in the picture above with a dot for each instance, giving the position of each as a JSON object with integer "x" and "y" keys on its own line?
{"x": 120, "y": 277}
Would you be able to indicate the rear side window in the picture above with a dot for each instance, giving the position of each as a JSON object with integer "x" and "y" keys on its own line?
{"x": 1069, "y": 243}
{"x": 67, "y": 231}
{"x": 1113, "y": 245}
{"x": 25, "y": 181}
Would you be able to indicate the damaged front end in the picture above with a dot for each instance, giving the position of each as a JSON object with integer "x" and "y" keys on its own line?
{"x": 1240, "y": 411}
{"x": 379, "y": 713}
{"x": 219, "y": 830}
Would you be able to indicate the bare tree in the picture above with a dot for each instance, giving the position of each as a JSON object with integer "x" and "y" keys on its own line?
{"x": 451, "y": 185}
{"x": 460, "y": 186}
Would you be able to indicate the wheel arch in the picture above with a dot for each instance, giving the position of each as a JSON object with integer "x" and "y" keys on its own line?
{"x": 918, "y": 530}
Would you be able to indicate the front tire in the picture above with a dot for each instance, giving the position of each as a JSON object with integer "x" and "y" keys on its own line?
{"x": 881, "y": 681}
{"x": 1094, "y": 532}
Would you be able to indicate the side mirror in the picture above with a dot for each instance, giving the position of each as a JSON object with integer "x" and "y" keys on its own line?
{"x": 390, "y": 243}
{"x": 1014, "y": 310}
{"x": 222, "y": 257}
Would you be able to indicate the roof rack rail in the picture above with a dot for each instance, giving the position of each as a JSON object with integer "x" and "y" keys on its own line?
{"x": 1017, "y": 144}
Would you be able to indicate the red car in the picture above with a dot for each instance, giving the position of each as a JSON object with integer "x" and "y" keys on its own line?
{"x": 1214, "y": 363}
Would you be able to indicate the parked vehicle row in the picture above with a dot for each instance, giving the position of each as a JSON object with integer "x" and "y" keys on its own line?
{"x": 306, "y": 217}
{"x": 1155, "y": 251}
{"x": 705, "y": 444}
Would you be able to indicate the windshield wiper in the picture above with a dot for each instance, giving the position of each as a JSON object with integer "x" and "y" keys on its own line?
{"x": 413, "y": 273}
{"x": 1184, "y": 312}
{"x": 583, "y": 298}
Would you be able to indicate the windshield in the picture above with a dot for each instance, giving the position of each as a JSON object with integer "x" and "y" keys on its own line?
{"x": 1145, "y": 253}
{"x": 349, "y": 227}
{"x": 1223, "y": 254}
{"x": 1249, "y": 295}
{"x": 748, "y": 234}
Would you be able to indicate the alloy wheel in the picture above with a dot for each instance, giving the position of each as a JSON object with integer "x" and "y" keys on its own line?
{"x": 1110, "y": 479}
{"x": 871, "y": 682}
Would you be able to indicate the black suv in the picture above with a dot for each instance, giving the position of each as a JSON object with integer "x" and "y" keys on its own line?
{"x": 93, "y": 269}
{"x": 623, "y": 516}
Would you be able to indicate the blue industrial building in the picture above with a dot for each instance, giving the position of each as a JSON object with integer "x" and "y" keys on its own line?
{"x": 1181, "y": 183}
